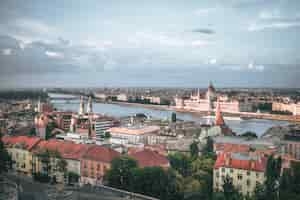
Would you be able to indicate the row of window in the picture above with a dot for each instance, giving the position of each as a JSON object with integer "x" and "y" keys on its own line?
{"x": 240, "y": 176}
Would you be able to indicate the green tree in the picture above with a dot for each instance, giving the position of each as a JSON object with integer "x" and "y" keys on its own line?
{"x": 230, "y": 192}
{"x": 272, "y": 177}
{"x": 32, "y": 132}
{"x": 62, "y": 165}
{"x": 249, "y": 134}
{"x": 154, "y": 181}
{"x": 173, "y": 117}
{"x": 5, "y": 158}
{"x": 119, "y": 174}
{"x": 194, "y": 150}
{"x": 181, "y": 163}
{"x": 259, "y": 192}
{"x": 209, "y": 147}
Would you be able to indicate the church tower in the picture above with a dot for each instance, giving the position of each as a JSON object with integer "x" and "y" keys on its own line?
{"x": 219, "y": 118}
{"x": 81, "y": 106}
{"x": 90, "y": 105}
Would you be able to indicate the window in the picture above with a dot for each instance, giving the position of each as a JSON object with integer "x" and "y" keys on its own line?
{"x": 240, "y": 176}
{"x": 248, "y": 182}
{"x": 257, "y": 175}
{"x": 248, "y": 173}
{"x": 217, "y": 174}
{"x": 231, "y": 170}
{"x": 223, "y": 169}
{"x": 98, "y": 167}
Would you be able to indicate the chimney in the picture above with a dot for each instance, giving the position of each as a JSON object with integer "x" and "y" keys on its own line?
{"x": 252, "y": 164}
{"x": 227, "y": 159}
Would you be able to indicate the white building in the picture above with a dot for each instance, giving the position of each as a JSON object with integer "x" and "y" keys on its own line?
{"x": 134, "y": 135}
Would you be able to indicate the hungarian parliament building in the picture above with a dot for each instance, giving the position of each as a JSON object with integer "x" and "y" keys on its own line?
{"x": 210, "y": 101}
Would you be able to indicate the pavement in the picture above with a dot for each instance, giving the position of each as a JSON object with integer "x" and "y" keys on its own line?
{"x": 32, "y": 190}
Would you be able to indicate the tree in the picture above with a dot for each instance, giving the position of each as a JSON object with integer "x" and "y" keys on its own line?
{"x": 259, "y": 192}
{"x": 154, "y": 181}
{"x": 272, "y": 177}
{"x": 32, "y": 132}
{"x": 119, "y": 174}
{"x": 230, "y": 193}
{"x": 209, "y": 147}
{"x": 107, "y": 135}
{"x": 5, "y": 158}
{"x": 194, "y": 150}
{"x": 173, "y": 117}
{"x": 249, "y": 134}
{"x": 180, "y": 163}
{"x": 290, "y": 182}
{"x": 62, "y": 165}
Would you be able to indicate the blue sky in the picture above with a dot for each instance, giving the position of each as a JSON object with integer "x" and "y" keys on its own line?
{"x": 94, "y": 43}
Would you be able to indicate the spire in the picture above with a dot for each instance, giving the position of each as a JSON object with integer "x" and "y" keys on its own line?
{"x": 90, "y": 105}
{"x": 209, "y": 110}
{"x": 198, "y": 94}
{"x": 81, "y": 106}
{"x": 73, "y": 124}
{"x": 39, "y": 107}
{"x": 219, "y": 118}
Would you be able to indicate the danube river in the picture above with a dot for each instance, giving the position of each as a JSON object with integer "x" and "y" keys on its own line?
{"x": 258, "y": 126}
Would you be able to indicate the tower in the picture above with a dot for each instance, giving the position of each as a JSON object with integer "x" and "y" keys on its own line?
{"x": 73, "y": 124}
{"x": 41, "y": 123}
{"x": 209, "y": 109}
{"x": 90, "y": 105}
{"x": 198, "y": 94}
{"x": 219, "y": 121}
{"x": 81, "y": 106}
{"x": 39, "y": 106}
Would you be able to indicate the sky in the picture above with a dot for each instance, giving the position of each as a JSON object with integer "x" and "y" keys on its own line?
{"x": 161, "y": 43}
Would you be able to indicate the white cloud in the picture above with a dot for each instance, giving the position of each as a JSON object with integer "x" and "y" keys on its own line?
{"x": 53, "y": 54}
{"x": 272, "y": 25}
{"x": 204, "y": 11}
{"x": 252, "y": 66}
{"x": 274, "y": 19}
{"x": 199, "y": 43}
{"x": 212, "y": 61}
{"x": 35, "y": 26}
{"x": 6, "y": 52}
{"x": 267, "y": 14}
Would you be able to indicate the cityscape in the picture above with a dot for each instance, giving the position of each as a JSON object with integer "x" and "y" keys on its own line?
{"x": 149, "y": 100}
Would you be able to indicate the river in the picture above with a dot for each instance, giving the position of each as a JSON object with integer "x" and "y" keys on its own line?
{"x": 258, "y": 126}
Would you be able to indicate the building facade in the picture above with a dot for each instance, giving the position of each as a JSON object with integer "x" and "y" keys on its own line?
{"x": 19, "y": 148}
{"x": 245, "y": 170}
{"x": 95, "y": 162}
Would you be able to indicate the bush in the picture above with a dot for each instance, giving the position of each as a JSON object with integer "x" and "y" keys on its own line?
{"x": 44, "y": 178}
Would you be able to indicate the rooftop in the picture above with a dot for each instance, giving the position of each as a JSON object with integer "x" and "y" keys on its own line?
{"x": 99, "y": 153}
{"x": 148, "y": 158}
{"x": 28, "y": 142}
{"x": 244, "y": 161}
{"x": 134, "y": 130}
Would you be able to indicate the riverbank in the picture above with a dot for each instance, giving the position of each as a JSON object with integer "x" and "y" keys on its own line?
{"x": 245, "y": 115}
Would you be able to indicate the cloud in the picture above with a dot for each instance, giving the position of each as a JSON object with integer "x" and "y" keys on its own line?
{"x": 204, "y": 11}
{"x": 52, "y": 54}
{"x": 252, "y": 66}
{"x": 212, "y": 61}
{"x": 272, "y": 25}
{"x": 204, "y": 31}
{"x": 6, "y": 52}
{"x": 274, "y": 19}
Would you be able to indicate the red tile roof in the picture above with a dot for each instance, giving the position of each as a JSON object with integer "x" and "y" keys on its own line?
{"x": 227, "y": 160}
{"x": 148, "y": 158}
{"x": 29, "y": 142}
{"x": 68, "y": 150}
{"x": 101, "y": 154}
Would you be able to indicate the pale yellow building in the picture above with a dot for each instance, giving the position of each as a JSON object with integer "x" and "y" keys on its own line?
{"x": 245, "y": 170}
{"x": 19, "y": 148}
